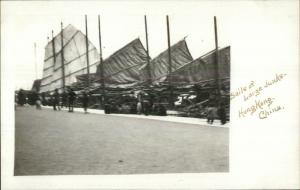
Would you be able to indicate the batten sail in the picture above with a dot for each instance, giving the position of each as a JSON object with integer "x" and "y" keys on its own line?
{"x": 74, "y": 59}
{"x": 122, "y": 67}
{"x": 180, "y": 55}
{"x": 203, "y": 69}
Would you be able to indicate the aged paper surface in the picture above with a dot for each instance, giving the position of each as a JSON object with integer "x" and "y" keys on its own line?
{"x": 264, "y": 107}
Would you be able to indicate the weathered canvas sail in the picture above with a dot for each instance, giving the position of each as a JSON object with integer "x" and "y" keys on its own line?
{"x": 122, "y": 67}
{"x": 203, "y": 68}
{"x": 159, "y": 66}
{"x": 75, "y": 62}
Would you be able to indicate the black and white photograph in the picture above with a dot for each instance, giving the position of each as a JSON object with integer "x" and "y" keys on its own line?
{"x": 150, "y": 89}
{"x": 128, "y": 112}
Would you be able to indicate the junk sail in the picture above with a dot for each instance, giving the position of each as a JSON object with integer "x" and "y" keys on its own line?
{"x": 203, "y": 69}
{"x": 121, "y": 69}
{"x": 180, "y": 56}
{"x": 75, "y": 62}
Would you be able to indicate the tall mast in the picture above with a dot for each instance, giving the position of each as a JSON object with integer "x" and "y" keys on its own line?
{"x": 216, "y": 58}
{"x": 35, "y": 64}
{"x": 148, "y": 57}
{"x": 87, "y": 52}
{"x": 101, "y": 62}
{"x": 53, "y": 52}
{"x": 62, "y": 56}
{"x": 170, "y": 65}
{"x": 53, "y": 48}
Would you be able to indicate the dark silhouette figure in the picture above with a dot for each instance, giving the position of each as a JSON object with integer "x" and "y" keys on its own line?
{"x": 43, "y": 99}
{"x": 162, "y": 110}
{"x": 211, "y": 113}
{"x": 36, "y": 99}
{"x": 222, "y": 114}
{"x": 85, "y": 101}
{"x": 107, "y": 108}
{"x": 21, "y": 97}
{"x": 146, "y": 107}
{"x": 64, "y": 99}
{"x": 72, "y": 97}
{"x": 55, "y": 99}
{"x": 38, "y": 102}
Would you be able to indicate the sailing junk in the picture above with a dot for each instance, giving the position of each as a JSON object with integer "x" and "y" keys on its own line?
{"x": 128, "y": 66}
{"x": 75, "y": 62}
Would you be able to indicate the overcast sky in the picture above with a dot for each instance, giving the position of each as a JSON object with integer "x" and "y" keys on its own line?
{"x": 247, "y": 26}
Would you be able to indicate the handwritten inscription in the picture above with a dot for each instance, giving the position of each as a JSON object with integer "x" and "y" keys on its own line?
{"x": 262, "y": 107}
{"x": 266, "y": 113}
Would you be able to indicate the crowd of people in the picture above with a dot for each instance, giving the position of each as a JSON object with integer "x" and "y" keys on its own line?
{"x": 142, "y": 105}
{"x": 56, "y": 100}
{"x": 67, "y": 99}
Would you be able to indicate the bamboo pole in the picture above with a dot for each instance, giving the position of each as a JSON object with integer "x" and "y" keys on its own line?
{"x": 170, "y": 65}
{"x": 101, "y": 64}
{"x": 147, "y": 51}
{"x": 53, "y": 48}
{"x": 53, "y": 52}
{"x": 216, "y": 59}
{"x": 62, "y": 56}
{"x": 87, "y": 52}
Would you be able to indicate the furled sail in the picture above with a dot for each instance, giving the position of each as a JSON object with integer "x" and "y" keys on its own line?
{"x": 159, "y": 66}
{"x": 122, "y": 67}
{"x": 75, "y": 62}
{"x": 203, "y": 68}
